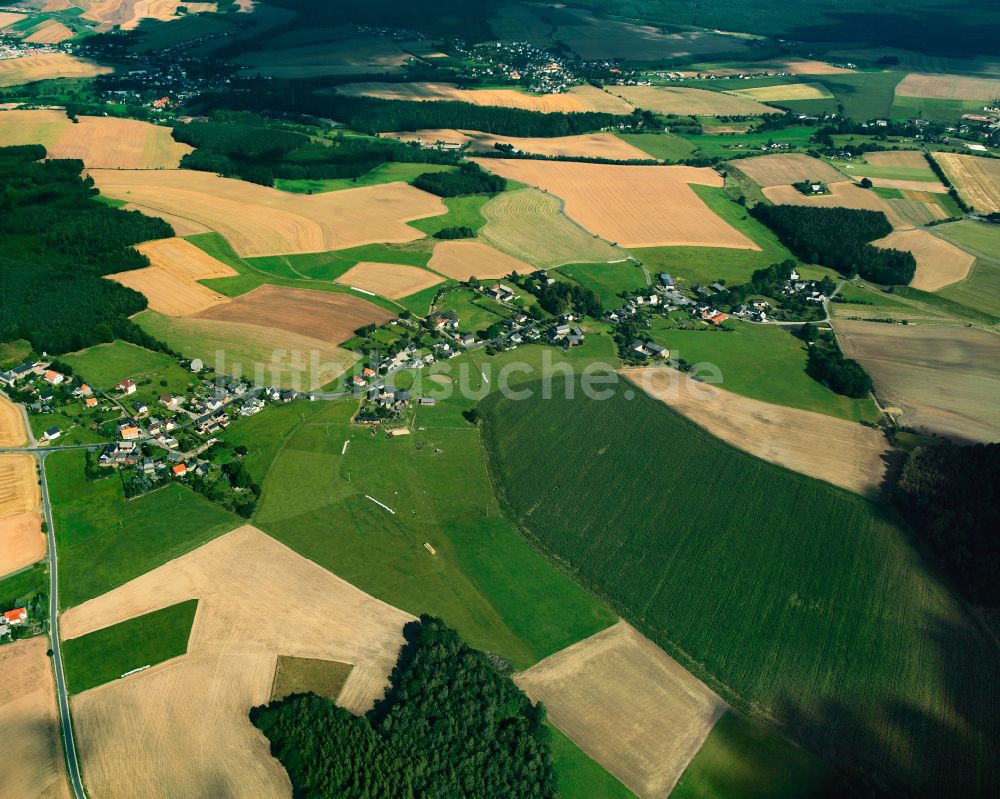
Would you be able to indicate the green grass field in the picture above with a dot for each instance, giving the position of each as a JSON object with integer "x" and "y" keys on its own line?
{"x": 106, "y": 654}
{"x": 864, "y": 95}
{"x": 384, "y": 173}
{"x": 21, "y": 587}
{"x": 663, "y": 146}
{"x": 14, "y": 352}
{"x": 462, "y": 212}
{"x": 797, "y": 601}
{"x": 475, "y": 312}
{"x": 294, "y": 675}
{"x": 889, "y": 172}
{"x": 580, "y": 777}
{"x": 763, "y": 362}
{"x": 331, "y": 265}
{"x": 155, "y": 373}
{"x": 934, "y": 109}
{"x": 721, "y": 145}
{"x": 607, "y": 280}
{"x": 105, "y": 541}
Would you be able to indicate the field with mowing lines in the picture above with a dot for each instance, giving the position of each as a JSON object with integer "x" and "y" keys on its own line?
{"x": 29, "y": 724}
{"x": 628, "y": 705}
{"x": 686, "y": 101}
{"x": 319, "y": 314}
{"x": 146, "y": 735}
{"x": 785, "y": 436}
{"x": 935, "y": 374}
{"x": 43, "y": 66}
{"x": 948, "y": 87}
{"x": 786, "y": 91}
{"x": 660, "y": 145}
{"x": 716, "y": 561}
{"x": 939, "y": 263}
{"x": 184, "y": 260}
{"x": 530, "y": 225}
{"x": 587, "y": 145}
{"x": 786, "y": 168}
{"x": 257, "y": 220}
{"x": 911, "y": 159}
{"x": 976, "y": 179}
{"x": 389, "y": 280}
{"x": 464, "y": 259}
{"x": 632, "y": 206}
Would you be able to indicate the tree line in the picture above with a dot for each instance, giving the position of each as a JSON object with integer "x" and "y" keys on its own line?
{"x": 827, "y": 364}
{"x": 56, "y": 242}
{"x": 470, "y": 178}
{"x": 450, "y": 725}
{"x": 838, "y": 238}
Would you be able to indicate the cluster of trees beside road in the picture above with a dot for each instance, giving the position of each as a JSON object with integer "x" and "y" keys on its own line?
{"x": 769, "y": 282}
{"x": 562, "y": 297}
{"x": 254, "y": 149}
{"x": 451, "y": 724}
{"x": 56, "y": 242}
{"x": 827, "y": 364}
{"x": 950, "y": 494}
{"x": 839, "y": 238}
{"x": 469, "y": 179}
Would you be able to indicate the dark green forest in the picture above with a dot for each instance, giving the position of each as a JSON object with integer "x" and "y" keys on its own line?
{"x": 950, "y": 494}
{"x": 838, "y": 238}
{"x": 55, "y": 244}
{"x": 827, "y": 364}
{"x": 450, "y": 725}
{"x": 470, "y": 179}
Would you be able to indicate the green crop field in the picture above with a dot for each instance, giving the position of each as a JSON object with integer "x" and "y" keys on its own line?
{"x": 20, "y": 587}
{"x": 660, "y": 145}
{"x": 721, "y": 145}
{"x": 475, "y": 312}
{"x": 106, "y": 654}
{"x": 607, "y": 280}
{"x": 105, "y": 541}
{"x": 580, "y": 777}
{"x": 854, "y": 168}
{"x": 797, "y": 601}
{"x": 331, "y": 265}
{"x": 864, "y": 95}
{"x": 383, "y": 173}
{"x": 105, "y": 365}
{"x": 462, "y": 212}
{"x": 934, "y": 109}
{"x": 764, "y": 362}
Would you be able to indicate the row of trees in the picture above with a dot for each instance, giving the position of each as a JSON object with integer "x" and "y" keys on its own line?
{"x": 827, "y": 364}
{"x": 56, "y": 242}
{"x": 469, "y": 179}
{"x": 451, "y": 724}
{"x": 838, "y": 238}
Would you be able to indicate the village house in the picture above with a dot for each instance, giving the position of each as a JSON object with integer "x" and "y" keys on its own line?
{"x": 90, "y": 402}
{"x": 52, "y": 434}
{"x": 446, "y": 320}
{"x": 141, "y": 408}
{"x": 179, "y": 470}
{"x": 15, "y": 616}
{"x": 467, "y": 339}
{"x": 126, "y": 387}
{"x": 501, "y": 293}
{"x": 128, "y": 432}
{"x": 53, "y": 378}
{"x": 639, "y": 349}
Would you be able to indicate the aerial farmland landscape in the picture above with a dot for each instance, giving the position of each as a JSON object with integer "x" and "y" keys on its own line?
{"x": 500, "y": 398}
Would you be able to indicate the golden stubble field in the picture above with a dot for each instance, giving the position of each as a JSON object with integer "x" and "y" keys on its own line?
{"x": 181, "y": 727}
{"x": 939, "y": 262}
{"x": 628, "y": 705}
{"x": 258, "y": 220}
{"x": 586, "y": 145}
{"x": 786, "y": 168}
{"x": 127, "y": 14}
{"x": 944, "y": 379}
{"x": 840, "y": 452}
{"x": 976, "y": 179}
{"x": 464, "y": 259}
{"x": 21, "y": 540}
{"x": 390, "y": 280}
{"x": 846, "y": 194}
{"x": 948, "y": 87}
{"x": 49, "y": 32}
{"x": 696, "y": 102}
{"x": 33, "y": 766}
{"x": 12, "y": 430}
{"x": 43, "y": 66}
{"x": 631, "y": 206}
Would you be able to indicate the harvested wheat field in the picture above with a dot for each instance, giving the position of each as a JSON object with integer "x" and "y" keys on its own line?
{"x": 976, "y": 179}
{"x": 389, "y": 280}
{"x": 181, "y": 727}
{"x": 21, "y": 542}
{"x": 632, "y": 206}
{"x": 786, "y": 168}
{"x": 804, "y": 66}
{"x": 9, "y": 18}
{"x": 167, "y": 293}
{"x": 939, "y": 263}
{"x": 506, "y": 98}
{"x": 910, "y": 159}
{"x": 324, "y": 315}
{"x": 43, "y": 66}
{"x": 853, "y": 456}
{"x": 464, "y": 259}
{"x": 346, "y": 57}
{"x": 19, "y": 492}
{"x": 258, "y": 220}
{"x": 587, "y": 145}
{"x": 127, "y": 14}
{"x": 530, "y": 225}
{"x": 183, "y": 260}
{"x": 29, "y": 728}
{"x": 924, "y": 187}
{"x": 12, "y": 430}
{"x": 945, "y": 379}
{"x": 49, "y": 32}
{"x": 182, "y": 225}
{"x": 786, "y": 91}
{"x": 628, "y": 705}
{"x": 845, "y": 194}
{"x": 696, "y": 102}
{"x": 948, "y": 87}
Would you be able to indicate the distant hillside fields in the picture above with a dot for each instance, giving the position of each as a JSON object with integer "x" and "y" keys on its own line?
{"x": 795, "y": 600}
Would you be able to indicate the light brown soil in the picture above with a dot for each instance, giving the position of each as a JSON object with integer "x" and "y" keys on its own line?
{"x": 183, "y": 260}
{"x": 19, "y": 491}
{"x": 21, "y": 541}
{"x": 9, "y": 18}
{"x": 923, "y": 186}
{"x": 181, "y": 225}
{"x": 632, "y": 206}
{"x": 29, "y": 729}
{"x": 464, "y": 259}
{"x": 939, "y": 263}
{"x": 49, "y": 32}
{"x": 976, "y": 179}
{"x": 846, "y": 194}
{"x": 840, "y": 452}
{"x": 389, "y": 280}
{"x": 696, "y": 102}
{"x": 42, "y": 66}
{"x": 628, "y": 705}
{"x": 12, "y": 432}
{"x": 948, "y": 87}
{"x": 786, "y": 91}
{"x": 181, "y": 728}
{"x": 785, "y": 169}
{"x": 258, "y": 220}
{"x": 506, "y": 98}
{"x": 588, "y": 145}
{"x": 914, "y": 159}
{"x": 324, "y": 315}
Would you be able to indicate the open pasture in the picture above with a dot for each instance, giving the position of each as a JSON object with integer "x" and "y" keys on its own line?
{"x": 354, "y": 56}
{"x": 586, "y": 145}
{"x": 530, "y": 225}
{"x": 939, "y": 263}
{"x": 628, "y": 705}
{"x": 178, "y": 727}
{"x": 50, "y": 31}
{"x": 29, "y": 724}
{"x": 325, "y": 315}
{"x": 948, "y": 87}
{"x": 389, "y": 280}
{"x": 12, "y": 431}
{"x": 687, "y": 101}
{"x": 461, "y": 260}
{"x": 631, "y": 206}
{"x": 941, "y": 377}
{"x": 854, "y": 456}
{"x": 977, "y": 180}
{"x": 43, "y": 66}
{"x": 782, "y": 92}
{"x": 257, "y": 220}
{"x": 786, "y": 168}
{"x": 764, "y": 583}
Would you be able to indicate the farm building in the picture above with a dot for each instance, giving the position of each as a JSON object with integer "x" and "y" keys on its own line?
{"x": 52, "y": 434}
{"x": 15, "y": 616}
{"x": 126, "y": 387}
